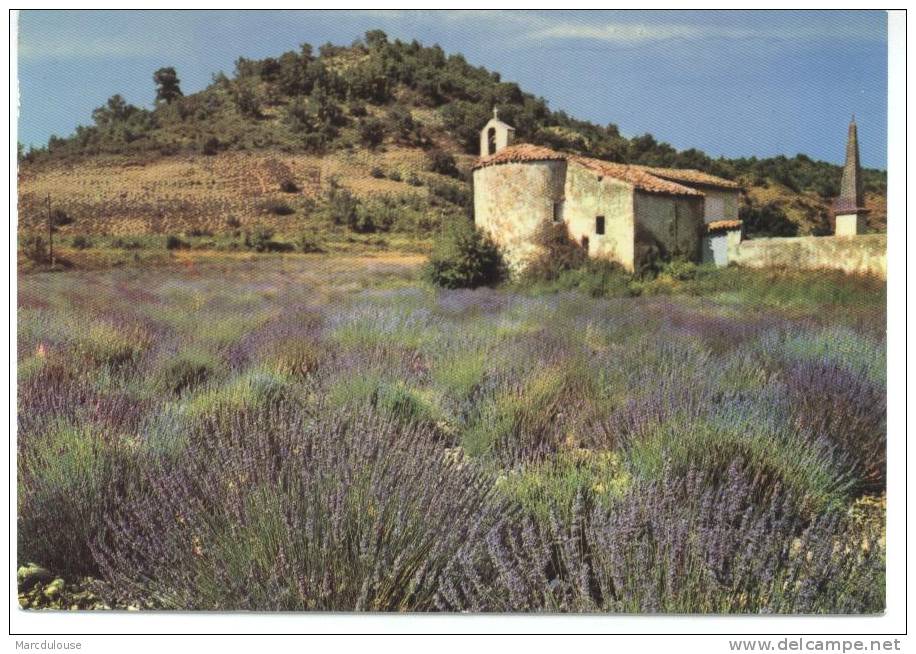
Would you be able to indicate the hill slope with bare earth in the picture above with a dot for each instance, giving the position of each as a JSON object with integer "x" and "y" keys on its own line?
{"x": 187, "y": 193}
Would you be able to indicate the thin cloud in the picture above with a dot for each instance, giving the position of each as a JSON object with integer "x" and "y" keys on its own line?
{"x": 80, "y": 48}
{"x": 636, "y": 33}
{"x": 632, "y": 33}
{"x": 524, "y": 26}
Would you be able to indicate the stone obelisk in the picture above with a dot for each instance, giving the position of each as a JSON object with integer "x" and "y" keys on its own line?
{"x": 849, "y": 209}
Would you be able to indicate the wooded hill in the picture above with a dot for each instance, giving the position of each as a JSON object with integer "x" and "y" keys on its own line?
{"x": 375, "y": 137}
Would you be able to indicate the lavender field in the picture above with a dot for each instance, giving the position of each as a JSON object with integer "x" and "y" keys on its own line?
{"x": 320, "y": 433}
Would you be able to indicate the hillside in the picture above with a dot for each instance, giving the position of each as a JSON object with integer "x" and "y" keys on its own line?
{"x": 378, "y": 137}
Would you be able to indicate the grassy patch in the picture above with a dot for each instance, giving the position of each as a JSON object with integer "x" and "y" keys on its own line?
{"x": 552, "y": 487}
{"x": 112, "y": 345}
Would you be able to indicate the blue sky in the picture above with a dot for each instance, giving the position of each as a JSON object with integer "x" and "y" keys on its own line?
{"x": 730, "y": 83}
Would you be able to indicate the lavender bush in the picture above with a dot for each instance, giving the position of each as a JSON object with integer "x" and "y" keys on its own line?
{"x": 333, "y": 434}
{"x": 346, "y": 512}
{"x": 691, "y": 543}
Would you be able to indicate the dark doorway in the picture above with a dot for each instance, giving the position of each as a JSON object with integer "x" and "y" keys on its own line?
{"x": 491, "y": 140}
{"x": 585, "y": 243}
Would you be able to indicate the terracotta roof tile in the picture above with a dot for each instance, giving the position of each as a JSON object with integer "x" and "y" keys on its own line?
{"x": 691, "y": 176}
{"x": 520, "y": 153}
{"x": 634, "y": 175}
{"x": 720, "y": 225}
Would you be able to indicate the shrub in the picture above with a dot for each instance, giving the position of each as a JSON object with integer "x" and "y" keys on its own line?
{"x": 766, "y": 220}
{"x": 699, "y": 542}
{"x": 378, "y": 173}
{"x": 394, "y": 176}
{"x": 70, "y": 479}
{"x": 34, "y": 248}
{"x": 556, "y": 253}
{"x": 597, "y": 278}
{"x": 211, "y": 146}
{"x": 172, "y": 242}
{"x": 443, "y": 163}
{"x": 345, "y": 512}
{"x": 292, "y": 356}
{"x": 849, "y": 410}
{"x": 465, "y": 258}
{"x": 403, "y": 125}
{"x": 810, "y": 465}
{"x": 256, "y": 390}
{"x": 59, "y": 218}
{"x": 81, "y": 242}
{"x": 278, "y": 208}
{"x": 289, "y": 186}
{"x": 259, "y": 238}
{"x": 184, "y": 371}
{"x": 341, "y": 204}
{"x": 371, "y": 132}
{"x": 126, "y": 243}
{"x": 680, "y": 269}
{"x": 520, "y": 422}
{"x": 413, "y": 180}
{"x": 246, "y": 101}
{"x": 110, "y": 344}
{"x": 409, "y": 405}
{"x": 308, "y": 243}
{"x": 451, "y": 193}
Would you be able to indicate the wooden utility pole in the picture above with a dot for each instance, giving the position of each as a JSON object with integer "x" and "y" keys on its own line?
{"x": 50, "y": 233}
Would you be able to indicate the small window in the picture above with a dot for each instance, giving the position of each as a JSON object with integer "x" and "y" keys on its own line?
{"x": 558, "y": 211}
{"x": 599, "y": 225}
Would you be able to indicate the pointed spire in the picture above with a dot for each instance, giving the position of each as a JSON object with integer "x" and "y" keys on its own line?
{"x": 852, "y": 197}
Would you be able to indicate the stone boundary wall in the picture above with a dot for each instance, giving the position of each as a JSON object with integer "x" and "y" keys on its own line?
{"x": 865, "y": 254}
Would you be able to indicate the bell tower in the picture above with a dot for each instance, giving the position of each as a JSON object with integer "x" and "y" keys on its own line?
{"x": 495, "y": 136}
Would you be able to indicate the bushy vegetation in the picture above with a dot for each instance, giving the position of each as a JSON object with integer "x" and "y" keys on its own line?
{"x": 555, "y": 255}
{"x": 314, "y": 92}
{"x": 465, "y": 257}
{"x": 344, "y": 437}
{"x": 766, "y": 220}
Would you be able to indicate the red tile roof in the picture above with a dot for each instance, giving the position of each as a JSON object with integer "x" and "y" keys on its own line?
{"x": 720, "y": 225}
{"x": 691, "y": 176}
{"x": 519, "y": 153}
{"x": 637, "y": 176}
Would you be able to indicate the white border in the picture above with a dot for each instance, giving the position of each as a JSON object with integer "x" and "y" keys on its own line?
{"x": 894, "y": 621}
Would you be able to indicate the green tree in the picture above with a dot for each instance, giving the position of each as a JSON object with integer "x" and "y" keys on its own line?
{"x": 376, "y": 39}
{"x": 246, "y": 100}
{"x": 443, "y": 163}
{"x": 116, "y": 110}
{"x": 766, "y": 220}
{"x": 464, "y": 120}
{"x": 167, "y": 85}
{"x": 371, "y": 131}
